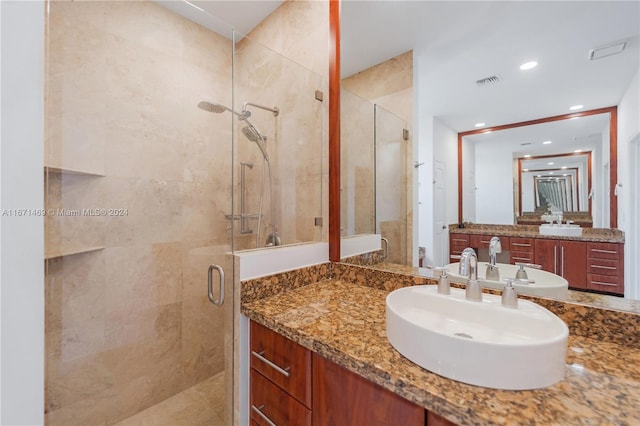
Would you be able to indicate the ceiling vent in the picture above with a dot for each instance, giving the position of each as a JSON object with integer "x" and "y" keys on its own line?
{"x": 607, "y": 50}
{"x": 488, "y": 81}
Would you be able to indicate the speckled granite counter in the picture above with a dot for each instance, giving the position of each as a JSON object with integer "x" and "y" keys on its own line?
{"x": 344, "y": 321}
{"x": 600, "y": 235}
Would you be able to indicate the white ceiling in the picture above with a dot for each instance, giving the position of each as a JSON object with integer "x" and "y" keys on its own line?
{"x": 456, "y": 43}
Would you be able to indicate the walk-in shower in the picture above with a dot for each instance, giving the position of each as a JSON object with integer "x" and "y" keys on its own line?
{"x": 254, "y": 135}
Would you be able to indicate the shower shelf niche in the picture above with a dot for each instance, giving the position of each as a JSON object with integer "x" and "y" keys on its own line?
{"x": 69, "y": 252}
{"x": 67, "y": 171}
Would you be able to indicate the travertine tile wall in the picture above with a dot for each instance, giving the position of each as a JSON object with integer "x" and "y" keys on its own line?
{"x": 279, "y": 64}
{"x": 390, "y": 85}
{"x": 357, "y": 158}
{"x": 129, "y": 324}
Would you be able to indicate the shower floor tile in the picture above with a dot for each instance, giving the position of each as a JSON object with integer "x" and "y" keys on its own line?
{"x": 202, "y": 404}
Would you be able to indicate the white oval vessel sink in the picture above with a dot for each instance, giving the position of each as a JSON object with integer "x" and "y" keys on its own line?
{"x": 546, "y": 284}
{"x": 479, "y": 343}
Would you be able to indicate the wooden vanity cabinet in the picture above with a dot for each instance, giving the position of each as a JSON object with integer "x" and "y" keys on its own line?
{"x": 280, "y": 379}
{"x": 340, "y": 397}
{"x": 482, "y": 241}
{"x": 521, "y": 250}
{"x": 605, "y": 267}
{"x": 565, "y": 258}
{"x": 457, "y": 243}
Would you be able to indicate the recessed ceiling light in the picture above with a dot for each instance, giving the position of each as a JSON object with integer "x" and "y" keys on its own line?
{"x": 564, "y": 167}
{"x": 550, "y": 163}
{"x": 539, "y": 176}
{"x": 577, "y": 150}
{"x": 527, "y": 155}
{"x": 550, "y": 173}
{"x": 525, "y": 170}
{"x": 576, "y": 107}
{"x": 479, "y": 124}
{"x": 546, "y": 142}
{"x": 528, "y": 65}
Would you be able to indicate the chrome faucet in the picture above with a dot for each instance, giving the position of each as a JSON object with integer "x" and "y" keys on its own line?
{"x": 495, "y": 247}
{"x": 469, "y": 268}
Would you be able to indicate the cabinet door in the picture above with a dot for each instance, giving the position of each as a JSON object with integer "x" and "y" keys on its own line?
{"x": 573, "y": 263}
{"x": 546, "y": 254}
{"x": 341, "y": 397}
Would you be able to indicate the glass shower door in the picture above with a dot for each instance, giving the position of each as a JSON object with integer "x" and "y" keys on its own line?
{"x": 138, "y": 182}
{"x": 391, "y": 174}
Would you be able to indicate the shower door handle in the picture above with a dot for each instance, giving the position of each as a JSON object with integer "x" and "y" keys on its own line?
{"x": 212, "y": 299}
{"x": 386, "y": 247}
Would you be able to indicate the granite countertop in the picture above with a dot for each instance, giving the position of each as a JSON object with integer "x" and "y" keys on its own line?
{"x": 599, "y": 235}
{"x": 345, "y": 322}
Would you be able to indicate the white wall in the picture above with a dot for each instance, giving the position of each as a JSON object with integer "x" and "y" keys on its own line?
{"x": 22, "y": 251}
{"x": 628, "y": 129}
{"x": 494, "y": 183}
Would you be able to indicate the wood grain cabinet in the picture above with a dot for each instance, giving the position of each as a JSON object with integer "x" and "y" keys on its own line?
{"x": 340, "y": 397}
{"x": 457, "y": 243}
{"x": 280, "y": 379}
{"x": 521, "y": 250}
{"x": 565, "y": 258}
{"x": 605, "y": 267}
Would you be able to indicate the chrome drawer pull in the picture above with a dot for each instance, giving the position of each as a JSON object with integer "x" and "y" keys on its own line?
{"x": 261, "y": 414}
{"x": 604, "y": 251}
{"x": 521, "y": 244}
{"x": 527, "y": 259}
{"x": 458, "y": 239}
{"x": 603, "y": 267}
{"x": 601, "y": 283}
{"x": 283, "y": 371}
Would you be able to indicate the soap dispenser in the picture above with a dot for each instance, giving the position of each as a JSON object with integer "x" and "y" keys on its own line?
{"x": 509, "y": 295}
{"x": 444, "y": 285}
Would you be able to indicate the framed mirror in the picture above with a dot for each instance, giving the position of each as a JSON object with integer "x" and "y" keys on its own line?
{"x": 499, "y": 168}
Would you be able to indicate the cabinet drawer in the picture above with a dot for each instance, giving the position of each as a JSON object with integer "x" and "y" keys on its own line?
{"x": 521, "y": 244}
{"x": 604, "y": 267}
{"x": 521, "y": 257}
{"x": 459, "y": 241}
{"x": 282, "y": 361}
{"x": 604, "y": 250}
{"x": 610, "y": 284}
{"x": 270, "y": 402}
{"x": 482, "y": 241}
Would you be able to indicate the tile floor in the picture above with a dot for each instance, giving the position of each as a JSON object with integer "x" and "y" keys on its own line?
{"x": 202, "y": 404}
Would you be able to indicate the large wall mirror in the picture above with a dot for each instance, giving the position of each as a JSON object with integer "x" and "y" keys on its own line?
{"x": 515, "y": 173}
{"x": 454, "y": 45}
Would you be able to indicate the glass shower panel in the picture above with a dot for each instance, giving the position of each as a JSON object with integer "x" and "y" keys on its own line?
{"x": 392, "y": 167}
{"x": 138, "y": 181}
{"x": 357, "y": 165}
{"x": 278, "y": 157}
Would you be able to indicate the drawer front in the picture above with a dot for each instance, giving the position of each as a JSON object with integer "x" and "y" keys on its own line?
{"x": 271, "y": 404}
{"x": 482, "y": 241}
{"x": 608, "y": 283}
{"x": 611, "y": 267}
{"x": 282, "y": 361}
{"x": 604, "y": 251}
{"x": 458, "y": 241}
{"x": 521, "y": 257}
{"x": 521, "y": 244}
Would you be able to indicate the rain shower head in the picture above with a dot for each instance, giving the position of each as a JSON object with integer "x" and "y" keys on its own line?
{"x": 218, "y": 109}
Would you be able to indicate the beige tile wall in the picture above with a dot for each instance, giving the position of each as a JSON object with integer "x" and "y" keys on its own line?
{"x": 130, "y": 325}
{"x": 390, "y": 85}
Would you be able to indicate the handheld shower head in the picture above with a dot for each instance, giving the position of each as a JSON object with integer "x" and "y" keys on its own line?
{"x": 219, "y": 108}
{"x": 254, "y": 135}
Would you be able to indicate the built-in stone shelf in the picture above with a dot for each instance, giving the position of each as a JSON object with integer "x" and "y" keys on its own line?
{"x": 69, "y": 252}
{"x": 68, "y": 171}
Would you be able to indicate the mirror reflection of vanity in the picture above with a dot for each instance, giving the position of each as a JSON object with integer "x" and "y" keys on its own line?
{"x": 589, "y": 188}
